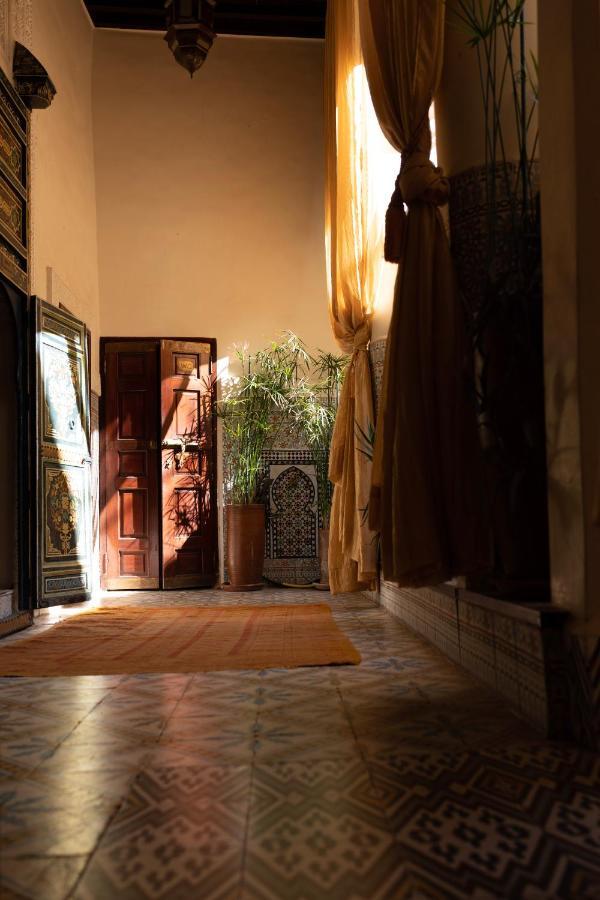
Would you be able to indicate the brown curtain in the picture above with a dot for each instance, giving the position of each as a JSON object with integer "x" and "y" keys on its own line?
{"x": 354, "y": 238}
{"x": 426, "y": 496}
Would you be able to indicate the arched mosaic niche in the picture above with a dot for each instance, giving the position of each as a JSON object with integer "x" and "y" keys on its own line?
{"x": 292, "y": 528}
{"x": 292, "y": 519}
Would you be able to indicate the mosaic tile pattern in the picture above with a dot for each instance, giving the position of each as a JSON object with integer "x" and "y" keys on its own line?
{"x": 398, "y": 778}
{"x": 6, "y": 604}
{"x": 377, "y": 357}
{"x": 467, "y": 217}
{"x": 292, "y": 519}
{"x": 518, "y": 651}
{"x": 15, "y": 622}
{"x": 583, "y": 679}
{"x": 291, "y": 544}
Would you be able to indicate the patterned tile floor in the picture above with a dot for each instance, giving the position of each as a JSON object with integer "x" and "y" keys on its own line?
{"x": 398, "y": 778}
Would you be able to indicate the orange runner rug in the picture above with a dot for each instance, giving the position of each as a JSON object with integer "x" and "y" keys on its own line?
{"x": 131, "y": 640}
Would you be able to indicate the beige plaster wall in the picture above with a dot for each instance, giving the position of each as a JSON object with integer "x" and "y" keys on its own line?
{"x": 210, "y": 191}
{"x": 570, "y": 132}
{"x": 63, "y": 207}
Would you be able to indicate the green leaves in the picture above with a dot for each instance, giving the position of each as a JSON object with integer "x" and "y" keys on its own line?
{"x": 314, "y": 409}
{"x": 279, "y": 385}
{"x": 252, "y": 409}
{"x": 365, "y": 440}
{"x": 478, "y": 19}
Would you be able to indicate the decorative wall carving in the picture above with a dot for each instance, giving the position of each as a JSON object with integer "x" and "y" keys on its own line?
{"x": 14, "y": 186}
{"x": 64, "y": 478}
{"x": 377, "y": 357}
{"x": 62, "y": 415}
{"x": 292, "y": 520}
{"x": 64, "y": 505}
{"x": 33, "y": 84}
{"x": 4, "y": 34}
{"x": 291, "y": 546}
{"x": 468, "y": 224}
{"x": 11, "y": 151}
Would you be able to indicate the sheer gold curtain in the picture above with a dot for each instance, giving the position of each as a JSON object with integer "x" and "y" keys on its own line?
{"x": 354, "y": 237}
{"x": 426, "y": 497}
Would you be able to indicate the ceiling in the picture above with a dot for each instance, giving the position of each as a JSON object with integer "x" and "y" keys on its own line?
{"x": 275, "y": 18}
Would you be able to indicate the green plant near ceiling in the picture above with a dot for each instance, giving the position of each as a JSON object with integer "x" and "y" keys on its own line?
{"x": 497, "y": 31}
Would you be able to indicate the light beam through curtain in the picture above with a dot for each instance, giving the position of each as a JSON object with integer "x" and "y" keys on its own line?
{"x": 354, "y": 241}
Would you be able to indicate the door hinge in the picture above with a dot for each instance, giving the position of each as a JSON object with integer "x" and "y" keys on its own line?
{"x": 104, "y": 563}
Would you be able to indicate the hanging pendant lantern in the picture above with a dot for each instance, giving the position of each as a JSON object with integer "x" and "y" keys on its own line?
{"x": 190, "y": 31}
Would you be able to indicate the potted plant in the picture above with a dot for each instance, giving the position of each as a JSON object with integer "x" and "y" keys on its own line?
{"x": 498, "y": 257}
{"x": 254, "y": 407}
{"x": 314, "y": 407}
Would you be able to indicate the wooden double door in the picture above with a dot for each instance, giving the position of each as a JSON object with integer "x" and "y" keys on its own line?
{"x": 158, "y": 524}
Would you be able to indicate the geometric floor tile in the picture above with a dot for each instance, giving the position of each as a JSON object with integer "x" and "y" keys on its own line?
{"x": 39, "y": 819}
{"x": 178, "y": 834}
{"x": 47, "y": 877}
{"x": 497, "y": 820}
{"x": 398, "y": 779}
{"x": 317, "y": 829}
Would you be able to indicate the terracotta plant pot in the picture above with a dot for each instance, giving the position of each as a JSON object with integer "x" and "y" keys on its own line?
{"x": 245, "y": 546}
{"x": 323, "y": 583}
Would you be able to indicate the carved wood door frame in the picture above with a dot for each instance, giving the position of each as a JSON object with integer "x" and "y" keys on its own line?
{"x": 155, "y": 457}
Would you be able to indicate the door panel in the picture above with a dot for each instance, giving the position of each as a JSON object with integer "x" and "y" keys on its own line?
{"x": 189, "y": 540}
{"x": 64, "y": 460}
{"x": 131, "y": 514}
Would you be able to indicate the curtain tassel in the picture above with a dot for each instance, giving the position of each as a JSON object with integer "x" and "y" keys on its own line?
{"x": 395, "y": 221}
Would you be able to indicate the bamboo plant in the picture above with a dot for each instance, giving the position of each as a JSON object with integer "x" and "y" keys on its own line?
{"x": 314, "y": 409}
{"x": 511, "y": 299}
{"x": 254, "y": 408}
{"x": 505, "y": 321}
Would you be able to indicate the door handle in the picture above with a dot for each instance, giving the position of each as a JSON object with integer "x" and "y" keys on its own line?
{"x": 181, "y": 446}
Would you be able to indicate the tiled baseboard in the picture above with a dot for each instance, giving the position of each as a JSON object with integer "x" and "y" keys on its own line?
{"x": 6, "y": 603}
{"x": 16, "y": 622}
{"x": 583, "y": 684}
{"x": 515, "y": 649}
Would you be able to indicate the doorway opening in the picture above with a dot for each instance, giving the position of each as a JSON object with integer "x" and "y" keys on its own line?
{"x": 15, "y": 592}
{"x": 9, "y": 578}
{"x": 158, "y": 521}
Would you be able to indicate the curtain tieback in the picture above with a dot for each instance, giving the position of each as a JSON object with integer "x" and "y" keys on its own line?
{"x": 362, "y": 336}
{"x": 419, "y": 180}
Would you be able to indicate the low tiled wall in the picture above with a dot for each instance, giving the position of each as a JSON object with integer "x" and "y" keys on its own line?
{"x": 518, "y": 650}
{"x": 15, "y": 622}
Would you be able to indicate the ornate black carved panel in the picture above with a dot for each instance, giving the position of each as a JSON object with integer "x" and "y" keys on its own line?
{"x": 34, "y": 85}
{"x": 64, "y": 459}
{"x": 14, "y": 186}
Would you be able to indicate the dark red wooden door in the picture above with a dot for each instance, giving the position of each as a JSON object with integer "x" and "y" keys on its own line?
{"x": 189, "y": 534}
{"x": 131, "y": 511}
